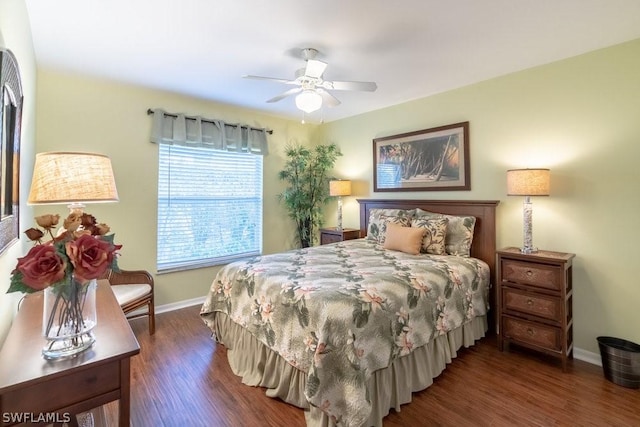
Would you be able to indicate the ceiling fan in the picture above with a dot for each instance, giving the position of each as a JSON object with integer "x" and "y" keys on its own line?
{"x": 311, "y": 88}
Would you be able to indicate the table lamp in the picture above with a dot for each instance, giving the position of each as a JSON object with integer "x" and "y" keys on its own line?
{"x": 528, "y": 182}
{"x": 339, "y": 188}
{"x": 73, "y": 178}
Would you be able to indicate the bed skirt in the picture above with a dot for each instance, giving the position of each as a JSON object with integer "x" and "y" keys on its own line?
{"x": 258, "y": 365}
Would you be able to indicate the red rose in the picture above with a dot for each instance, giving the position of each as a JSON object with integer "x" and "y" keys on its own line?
{"x": 90, "y": 256}
{"x": 41, "y": 267}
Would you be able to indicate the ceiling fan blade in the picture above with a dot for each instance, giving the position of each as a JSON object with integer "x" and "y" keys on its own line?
{"x": 289, "y": 82}
{"x": 328, "y": 99}
{"x": 361, "y": 86}
{"x": 285, "y": 94}
{"x": 315, "y": 68}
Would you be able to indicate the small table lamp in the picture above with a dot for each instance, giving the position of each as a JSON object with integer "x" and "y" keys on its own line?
{"x": 528, "y": 182}
{"x": 340, "y": 188}
{"x": 74, "y": 178}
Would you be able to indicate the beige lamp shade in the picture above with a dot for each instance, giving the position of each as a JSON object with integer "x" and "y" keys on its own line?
{"x": 64, "y": 177}
{"x": 528, "y": 182}
{"x": 340, "y": 187}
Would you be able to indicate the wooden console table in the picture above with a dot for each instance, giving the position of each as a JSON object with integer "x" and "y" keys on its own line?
{"x": 31, "y": 385}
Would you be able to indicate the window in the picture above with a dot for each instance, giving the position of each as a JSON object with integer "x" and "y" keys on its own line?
{"x": 209, "y": 207}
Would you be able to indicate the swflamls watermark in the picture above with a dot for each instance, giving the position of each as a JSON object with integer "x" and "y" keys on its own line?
{"x": 36, "y": 417}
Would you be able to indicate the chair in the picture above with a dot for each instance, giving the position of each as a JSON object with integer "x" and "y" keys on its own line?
{"x": 133, "y": 290}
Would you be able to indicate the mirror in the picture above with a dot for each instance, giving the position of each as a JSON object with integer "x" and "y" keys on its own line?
{"x": 10, "y": 120}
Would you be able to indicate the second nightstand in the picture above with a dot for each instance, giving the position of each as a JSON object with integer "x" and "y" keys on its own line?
{"x": 535, "y": 299}
{"x": 333, "y": 235}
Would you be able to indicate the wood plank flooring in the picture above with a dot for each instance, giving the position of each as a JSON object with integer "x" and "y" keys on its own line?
{"x": 182, "y": 378}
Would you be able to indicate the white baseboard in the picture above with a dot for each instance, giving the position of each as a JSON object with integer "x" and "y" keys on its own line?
{"x": 172, "y": 306}
{"x": 180, "y": 304}
{"x": 587, "y": 356}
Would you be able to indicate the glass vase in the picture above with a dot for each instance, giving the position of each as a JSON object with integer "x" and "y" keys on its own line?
{"x": 68, "y": 318}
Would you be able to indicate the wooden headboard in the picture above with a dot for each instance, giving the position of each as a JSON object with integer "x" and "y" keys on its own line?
{"x": 484, "y": 236}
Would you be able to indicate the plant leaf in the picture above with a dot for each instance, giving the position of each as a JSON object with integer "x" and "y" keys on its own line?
{"x": 17, "y": 284}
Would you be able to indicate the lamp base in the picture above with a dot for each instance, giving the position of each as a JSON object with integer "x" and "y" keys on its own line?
{"x": 526, "y": 250}
{"x": 527, "y": 211}
{"x": 76, "y": 207}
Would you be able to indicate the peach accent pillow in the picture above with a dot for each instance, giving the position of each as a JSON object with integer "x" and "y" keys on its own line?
{"x": 404, "y": 239}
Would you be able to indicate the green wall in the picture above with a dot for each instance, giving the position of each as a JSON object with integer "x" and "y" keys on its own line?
{"x": 77, "y": 113}
{"x": 579, "y": 117}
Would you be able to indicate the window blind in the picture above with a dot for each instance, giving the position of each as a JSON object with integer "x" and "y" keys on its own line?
{"x": 209, "y": 207}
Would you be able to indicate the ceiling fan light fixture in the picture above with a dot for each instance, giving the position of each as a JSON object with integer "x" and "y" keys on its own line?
{"x": 311, "y": 89}
{"x": 309, "y": 101}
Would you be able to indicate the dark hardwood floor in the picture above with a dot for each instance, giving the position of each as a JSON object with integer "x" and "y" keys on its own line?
{"x": 182, "y": 378}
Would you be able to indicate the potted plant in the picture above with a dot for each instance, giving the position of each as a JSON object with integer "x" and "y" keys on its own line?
{"x": 305, "y": 172}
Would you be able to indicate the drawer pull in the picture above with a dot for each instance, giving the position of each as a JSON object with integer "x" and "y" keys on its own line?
{"x": 529, "y": 273}
{"x": 530, "y": 332}
{"x": 529, "y": 302}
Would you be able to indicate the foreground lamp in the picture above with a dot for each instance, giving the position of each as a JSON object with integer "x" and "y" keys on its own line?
{"x": 528, "y": 182}
{"x": 74, "y": 178}
{"x": 309, "y": 101}
{"x": 339, "y": 188}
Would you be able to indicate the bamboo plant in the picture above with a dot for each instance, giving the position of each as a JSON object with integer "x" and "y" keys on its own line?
{"x": 306, "y": 174}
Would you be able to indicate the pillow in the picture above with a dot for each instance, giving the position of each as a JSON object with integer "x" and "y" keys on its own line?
{"x": 378, "y": 219}
{"x": 376, "y": 212}
{"x": 459, "y": 232}
{"x": 433, "y": 241}
{"x": 404, "y": 239}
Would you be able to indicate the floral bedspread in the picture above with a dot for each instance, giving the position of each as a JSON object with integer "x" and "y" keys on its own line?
{"x": 339, "y": 312}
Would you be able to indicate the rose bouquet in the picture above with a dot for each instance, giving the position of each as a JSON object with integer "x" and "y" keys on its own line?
{"x": 65, "y": 266}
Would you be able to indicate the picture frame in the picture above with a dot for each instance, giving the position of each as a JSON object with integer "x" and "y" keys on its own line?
{"x": 435, "y": 159}
{"x": 11, "y": 98}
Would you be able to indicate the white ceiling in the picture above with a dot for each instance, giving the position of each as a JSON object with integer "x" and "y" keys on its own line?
{"x": 411, "y": 48}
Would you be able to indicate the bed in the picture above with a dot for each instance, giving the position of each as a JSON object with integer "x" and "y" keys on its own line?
{"x": 349, "y": 330}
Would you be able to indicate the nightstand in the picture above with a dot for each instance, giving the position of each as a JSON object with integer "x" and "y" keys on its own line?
{"x": 31, "y": 385}
{"x": 535, "y": 300}
{"x": 333, "y": 235}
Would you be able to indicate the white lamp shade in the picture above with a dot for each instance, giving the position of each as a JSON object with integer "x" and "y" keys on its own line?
{"x": 309, "y": 101}
{"x": 528, "y": 182}
{"x": 64, "y": 177}
{"x": 340, "y": 188}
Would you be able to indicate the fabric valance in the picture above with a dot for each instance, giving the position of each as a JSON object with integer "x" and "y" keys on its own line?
{"x": 178, "y": 129}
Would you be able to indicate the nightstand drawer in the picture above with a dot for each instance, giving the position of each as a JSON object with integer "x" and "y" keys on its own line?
{"x": 325, "y": 238}
{"x": 334, "y": 235}
{"x": 532, "y": 333}
{"x": 524, "y": 302}
{"x": 64, "y": 391}
{"x": 538, "y": 275}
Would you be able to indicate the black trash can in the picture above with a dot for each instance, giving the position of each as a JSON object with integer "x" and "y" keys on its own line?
{"x": 620, "y": 361}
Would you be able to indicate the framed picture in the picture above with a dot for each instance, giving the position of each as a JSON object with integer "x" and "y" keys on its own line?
{"x": 435, "y": 159}
{"x": 10, "y": 122}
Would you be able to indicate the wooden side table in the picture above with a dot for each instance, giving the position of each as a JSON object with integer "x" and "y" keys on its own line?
{"x": 29, "y": 384}
{"x": 535, "y": 300}
{"x": 333, "y": 235}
